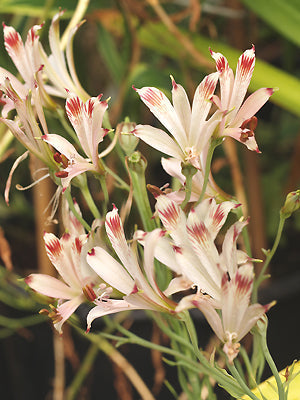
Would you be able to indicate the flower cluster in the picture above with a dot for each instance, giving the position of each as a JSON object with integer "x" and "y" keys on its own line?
{"x": 105, "y": 269}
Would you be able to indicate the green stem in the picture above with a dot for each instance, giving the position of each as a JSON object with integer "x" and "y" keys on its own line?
{"x": 203, "y": 367}
{"x": 188, "y": 171}
{"x": 241, "y": 382}
{"x": 270, "y": 361}
{"x": 74, "y": 211}
{"x": 82, "y": 373}
{"x": 270, "y": 255}
{"x": 18, "y": 323}
{"x": 214, "y": 143}
{"x": 88, "y": 198}
{"x": 137, "y": 166}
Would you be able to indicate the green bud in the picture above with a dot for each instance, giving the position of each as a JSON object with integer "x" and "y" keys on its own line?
{"x": 127, "y": 140}
{"x": 292, "y": 204}
{"x": 137, "y": 163}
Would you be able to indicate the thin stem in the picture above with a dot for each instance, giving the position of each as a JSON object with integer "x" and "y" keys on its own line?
{"x": 74, "y": 211}
{"x": 270, "y": 255}
{"x": 241, "y": 382}
{"x": 272, "y": 366}
{"x": 188, "y": 171}
{"x": 121, "y": 361}
{"x": 89, "y": 199}
{"x": 214, "y": 143}
{"x": 82, "y": 373}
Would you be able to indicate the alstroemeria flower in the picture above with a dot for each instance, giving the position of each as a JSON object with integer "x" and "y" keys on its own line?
{"x": 194, "y": 246}
{"x": 59, "y": 68}
{"x": 77, "y": 282}
{"x": 25, "y": 127}
{"x": 237, "y": 316}
{"x": 139, "y": 291}
{"x": 238, "y": 117}
{"x": 188, "y": 126}
{"x": 86, "y": 119}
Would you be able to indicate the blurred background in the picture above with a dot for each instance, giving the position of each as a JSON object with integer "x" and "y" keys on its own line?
{"x": 141, "y": 43}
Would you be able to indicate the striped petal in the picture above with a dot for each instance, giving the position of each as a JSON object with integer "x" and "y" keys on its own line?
{"x": 163, "y": 110}
{"x": 226, "y": 80}
{"x": 201, "y": 106}
{"x": 242, "y": 80}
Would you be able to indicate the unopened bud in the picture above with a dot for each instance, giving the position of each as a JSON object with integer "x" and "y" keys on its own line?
{"x": 127, "y": 139}
{"x": 292, "y": 204}
{"x": 137, "y": 163}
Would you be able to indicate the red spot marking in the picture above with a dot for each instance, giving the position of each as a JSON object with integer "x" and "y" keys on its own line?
{"x": 177, "y": 249}
{"x": 61, "y": 174}
{"x": 87, "y": 330}
{"x": 28, "y": 280}
{"x": 66, "y": 236}
{"x": 134, "y": 290}
{"x": 91, "y": 252}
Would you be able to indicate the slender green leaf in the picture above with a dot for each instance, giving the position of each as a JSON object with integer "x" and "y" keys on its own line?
{"x": 282, "y": 15}
{"x": 156, "y": 37}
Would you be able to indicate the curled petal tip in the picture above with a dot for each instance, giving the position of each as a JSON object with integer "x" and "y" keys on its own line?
{"x": 91, "y": 252}
{"x": 88, "y": 329}
{"x": 134, "y": 88}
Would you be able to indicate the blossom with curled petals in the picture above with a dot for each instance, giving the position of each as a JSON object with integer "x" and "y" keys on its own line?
{"x": 139, "y": 289}
{"x": 238, "y": 120}
{"x": 188, "y": 125}
{"x": 86, "y": 119}
{"x": 77, "y": 282}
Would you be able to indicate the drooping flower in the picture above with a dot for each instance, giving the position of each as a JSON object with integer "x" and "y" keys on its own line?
{"x": 188, "y": 126}
{"x": 236, "y": 316}
{"x": 86, "y": 119}
{"x": 238, "y": 119}
{"x": 139, "y": 291}
{"x": 77, "y": 282}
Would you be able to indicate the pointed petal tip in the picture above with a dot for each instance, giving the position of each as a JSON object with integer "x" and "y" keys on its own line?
{"x": 134, "y": 88}
{"x": 174, "y": 84}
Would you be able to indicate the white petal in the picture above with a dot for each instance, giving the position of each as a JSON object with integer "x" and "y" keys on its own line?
{"x": 50, "y": 286}
{"x": 160, "y": 140}
{"x": 105, "y": 308}
{"x": 161, "y": 107}
{"x": 110, "y": 270}
{"x": 252, "y": 104}
{"x": 242, "y": 80}
{"x": 182, "y": 105}
{"x": 201, "y": 106}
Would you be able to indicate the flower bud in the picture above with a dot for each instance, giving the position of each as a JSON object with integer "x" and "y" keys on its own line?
{"x": 127, "y": 139}
{"x": 292, "y": 204}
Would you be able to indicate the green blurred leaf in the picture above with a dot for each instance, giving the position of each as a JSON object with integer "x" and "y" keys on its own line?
{"x": 111, "y": 54}
{"x": 156, "y": 37}
{"x": 282, "y": 15}
{"x": 36, "y": 8}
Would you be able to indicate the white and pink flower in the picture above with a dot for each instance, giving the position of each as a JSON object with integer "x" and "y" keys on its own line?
{"x": 139, "y": 291}
{"x": 238, "y": 119}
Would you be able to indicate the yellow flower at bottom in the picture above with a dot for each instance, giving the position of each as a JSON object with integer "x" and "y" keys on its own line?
{"x": 268, "y": 388}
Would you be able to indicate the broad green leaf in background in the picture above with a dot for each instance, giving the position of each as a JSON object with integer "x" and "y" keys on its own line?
{"x": 156, "y": 37}
{"x": 36, "y": 8}
{"x": 282, "y": 15}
